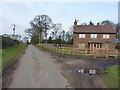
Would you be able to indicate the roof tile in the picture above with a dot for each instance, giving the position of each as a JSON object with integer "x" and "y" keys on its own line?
{"x": 94, "y": 29}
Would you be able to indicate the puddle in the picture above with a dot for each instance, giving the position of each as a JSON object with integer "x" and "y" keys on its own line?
{"x": 90, "y": 71}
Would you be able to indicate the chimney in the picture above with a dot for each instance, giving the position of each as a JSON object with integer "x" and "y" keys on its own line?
{"x": 75, "y": 22}
{"x": 75, "y": 25}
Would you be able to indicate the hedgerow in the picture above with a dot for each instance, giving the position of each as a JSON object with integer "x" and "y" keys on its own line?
{"x": 8, "y": 42}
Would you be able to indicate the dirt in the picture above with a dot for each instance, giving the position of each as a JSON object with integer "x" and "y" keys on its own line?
{"x": 69, "y": 65}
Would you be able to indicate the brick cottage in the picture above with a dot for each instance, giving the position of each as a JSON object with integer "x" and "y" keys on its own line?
{"x": 94, "y": 36}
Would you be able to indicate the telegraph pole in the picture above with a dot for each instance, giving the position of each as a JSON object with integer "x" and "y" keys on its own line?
{"x": 13, "y": 29}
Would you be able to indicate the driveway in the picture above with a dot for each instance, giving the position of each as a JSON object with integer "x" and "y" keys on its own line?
{"x": 69, "y": 65}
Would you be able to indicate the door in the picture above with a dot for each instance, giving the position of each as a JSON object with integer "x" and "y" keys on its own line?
{"x": 94, "y": 46}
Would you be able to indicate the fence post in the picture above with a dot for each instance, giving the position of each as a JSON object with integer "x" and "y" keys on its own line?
{"x": 94, "y": 53}
{"x": 86, "y": 51}
{"x": 106, "y": 52}
{"x": 61, "y": 51}
{"x": 73, "y": 51}
{"x": 116, "y": 53}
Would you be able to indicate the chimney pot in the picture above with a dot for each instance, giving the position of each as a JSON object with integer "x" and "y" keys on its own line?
{"x": 75, "y": 22}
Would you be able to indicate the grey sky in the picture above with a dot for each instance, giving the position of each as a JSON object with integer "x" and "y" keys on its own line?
{"x": 21, "y": 13}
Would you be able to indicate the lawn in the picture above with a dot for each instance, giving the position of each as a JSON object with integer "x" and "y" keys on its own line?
{"x": 9, "y": 54}
{"x": 111, "y": 78}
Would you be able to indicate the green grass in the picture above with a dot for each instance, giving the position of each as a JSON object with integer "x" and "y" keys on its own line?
{"x": 9, "y": 54}
{"x": 70, "y": 49}
{"x": 111, "y": 78}
{"x": 65, "y": 53}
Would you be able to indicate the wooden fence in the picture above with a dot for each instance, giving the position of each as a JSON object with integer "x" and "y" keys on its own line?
{"x": 102, "y": 52}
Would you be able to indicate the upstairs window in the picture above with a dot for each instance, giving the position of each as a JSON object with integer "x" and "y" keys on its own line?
{"x": 93, "y": 35}
{"x": 81, "y": 35}
{"x": 106, "y": 36}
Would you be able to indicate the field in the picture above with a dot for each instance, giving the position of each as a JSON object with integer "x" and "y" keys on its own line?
{"x": 9, "y": 54}
{"x": 111, "y": 78}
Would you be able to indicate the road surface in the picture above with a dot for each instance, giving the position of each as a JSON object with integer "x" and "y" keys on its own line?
{"x": 36, "y": 71}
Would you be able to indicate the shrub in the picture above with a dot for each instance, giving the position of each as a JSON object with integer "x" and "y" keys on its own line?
{"x": 7, "y": 42}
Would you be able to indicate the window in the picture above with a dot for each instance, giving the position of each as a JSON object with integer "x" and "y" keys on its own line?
{"x": 93, "y": 35}
{"x": 92, "y": 71}
{"x": 81, "y": 71}
{"x": 105, "y": 45}
{"x": 81, "y": 45}
{"x": 81, "y": 35}
{"x": 106, "y": 36}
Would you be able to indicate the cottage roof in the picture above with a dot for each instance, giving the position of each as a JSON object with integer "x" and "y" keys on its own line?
{"x": 94, "y": 29}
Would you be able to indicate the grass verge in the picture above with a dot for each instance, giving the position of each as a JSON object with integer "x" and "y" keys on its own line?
{"x": 9, "y": 55}
{"x": 111, "y": 78}
{"x": 63, "y": 53}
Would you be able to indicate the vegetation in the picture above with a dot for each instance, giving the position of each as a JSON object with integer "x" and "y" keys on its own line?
{"x": 7, "y": 42}
{"x": 9, "y": 54}
{"x": 63, "y": 51}
{"x": 111, "y": 78}
{"x": 10, "y": 40}
{"x": 39, "y": 28}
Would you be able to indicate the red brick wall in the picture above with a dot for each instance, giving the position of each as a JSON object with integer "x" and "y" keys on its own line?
{"x": 77, "y": 40}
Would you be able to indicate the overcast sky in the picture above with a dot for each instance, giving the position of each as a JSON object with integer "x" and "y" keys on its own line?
{"x": 21, "y": 13}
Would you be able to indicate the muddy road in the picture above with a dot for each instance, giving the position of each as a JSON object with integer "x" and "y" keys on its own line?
{"x": 69, "y": 65}
{"x": 36, "y": 71}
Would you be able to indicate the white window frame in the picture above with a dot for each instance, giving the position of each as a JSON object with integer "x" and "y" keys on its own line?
{"x": 81, "y": 71}
{"x": 82, "y": 44}
{"x": 92, "y": 71}
{"x": 93, "y": 35}
{"x": 81, "y": 35}
{"x": 106, "y": 36}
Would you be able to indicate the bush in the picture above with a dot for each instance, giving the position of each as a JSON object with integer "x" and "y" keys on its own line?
{"x": 7, "y": 42}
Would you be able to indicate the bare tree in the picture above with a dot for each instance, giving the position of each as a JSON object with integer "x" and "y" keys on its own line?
{"x": 118, "y": 30}
{"x": 39, "y": 26}
{"x": 107, "y": 22}
{"x": 69, "y": 34}
{"x": 52, "y": 34}
{"x": 56, "y": 28}
{"x": 25, "y": 39}
{"x": 63, "y": 35}
{"x": 29, "y": 32}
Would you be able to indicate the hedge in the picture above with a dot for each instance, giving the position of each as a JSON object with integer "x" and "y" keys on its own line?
{"x": 7, "y": 42}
